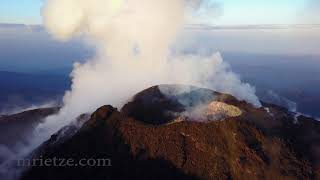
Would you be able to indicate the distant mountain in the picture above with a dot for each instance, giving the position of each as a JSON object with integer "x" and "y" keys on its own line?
{"x": 21, "y": 26}
{"x": 253, "y": 27}
{"x": 166, "y": 133}
{"x": 16, "y": 127}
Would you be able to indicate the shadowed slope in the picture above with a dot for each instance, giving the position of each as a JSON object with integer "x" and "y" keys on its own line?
{"x": 257, "y": 144}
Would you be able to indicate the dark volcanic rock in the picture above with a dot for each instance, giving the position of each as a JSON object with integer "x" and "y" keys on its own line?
{"x": 100, "y": 138}
{"x": 151, "y": 106}
{"x": 255, "y": 145}
{"x": 154, "y": 107}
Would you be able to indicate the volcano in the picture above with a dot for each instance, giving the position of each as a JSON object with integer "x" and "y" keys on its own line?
{"x": 186, "y": 132}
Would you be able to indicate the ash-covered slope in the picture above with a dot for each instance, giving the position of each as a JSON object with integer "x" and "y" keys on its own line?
{"x": 194, "y": 134}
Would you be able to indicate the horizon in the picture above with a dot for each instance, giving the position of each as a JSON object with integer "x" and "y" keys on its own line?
{"x": 226, "y": 12}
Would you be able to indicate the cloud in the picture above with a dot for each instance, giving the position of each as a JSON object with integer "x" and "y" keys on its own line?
{"x": 203, "y": 11}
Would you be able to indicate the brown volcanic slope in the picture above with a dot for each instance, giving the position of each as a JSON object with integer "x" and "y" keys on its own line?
{"x": 254, "y": 145}
{"x": 14, "y": 128}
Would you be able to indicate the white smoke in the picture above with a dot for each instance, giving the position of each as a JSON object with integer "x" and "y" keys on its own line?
{"x": 133, "y": 40}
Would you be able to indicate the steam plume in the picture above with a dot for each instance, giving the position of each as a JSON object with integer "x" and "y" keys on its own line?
{"x": 133, "y": 40}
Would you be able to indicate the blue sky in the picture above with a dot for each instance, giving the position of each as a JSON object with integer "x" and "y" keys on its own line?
{"x": 235, "y": 12}
{"x": 260, "y": 11}
{"x": 20, "y": 11}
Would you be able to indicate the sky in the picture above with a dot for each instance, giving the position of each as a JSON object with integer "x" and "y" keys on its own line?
{"x": 232, "y": 12}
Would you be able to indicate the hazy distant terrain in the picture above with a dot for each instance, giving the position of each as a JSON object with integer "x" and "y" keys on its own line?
{"x": 21, "y": 90}
{"x": 281, "y": 79}
{"x": 282, "y": 63}
{"x": 31, "y": 49}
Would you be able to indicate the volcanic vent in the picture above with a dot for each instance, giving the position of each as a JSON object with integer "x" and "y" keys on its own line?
{"x": 174, "y": 103}
{"x": 219, "y": 110}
